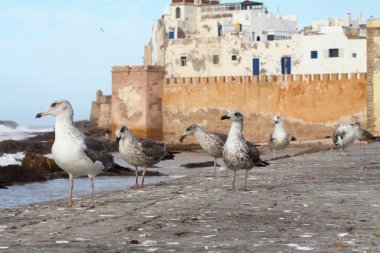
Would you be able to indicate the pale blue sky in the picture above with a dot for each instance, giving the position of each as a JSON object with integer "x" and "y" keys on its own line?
{"x": 55, "y": 49}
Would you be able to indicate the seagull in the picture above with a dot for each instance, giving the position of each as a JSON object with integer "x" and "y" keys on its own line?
{"x": 140, "y": 152}
{"x": 101, "y": 29}
{"x": 363, "y": 135}
{"x": 279, "y": 140}
{"x": 344, "y": 136}
{"x": 212, "y": 143}
{"x": 239, "y": 154}
{"x": 73, "y": 151}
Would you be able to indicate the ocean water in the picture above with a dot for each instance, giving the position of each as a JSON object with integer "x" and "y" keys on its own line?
{"x": 19, "y": 195}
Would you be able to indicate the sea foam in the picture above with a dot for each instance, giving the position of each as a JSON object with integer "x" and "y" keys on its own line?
{"x": 21, "y": 132}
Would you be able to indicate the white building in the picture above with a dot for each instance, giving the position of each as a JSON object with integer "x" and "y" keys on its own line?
{"x": 207, "y": 38}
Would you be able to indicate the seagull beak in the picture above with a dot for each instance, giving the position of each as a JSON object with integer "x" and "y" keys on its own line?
{"x": 40, "y": 115}
{"x": 182, "y": 138}
{"x": 225, "y": 117}
{"x": 118, "y": 140}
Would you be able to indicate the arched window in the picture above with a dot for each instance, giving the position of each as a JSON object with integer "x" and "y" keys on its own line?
{"x": 258, "y": 38}
{"x": 178, "y": 12}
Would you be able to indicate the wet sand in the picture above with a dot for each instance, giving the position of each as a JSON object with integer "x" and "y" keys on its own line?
{"x": 318, "y": 202}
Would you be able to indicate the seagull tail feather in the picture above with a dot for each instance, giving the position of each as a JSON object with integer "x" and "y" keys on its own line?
{"x": 169, "y": 156}
{"x": 262, "y": 164}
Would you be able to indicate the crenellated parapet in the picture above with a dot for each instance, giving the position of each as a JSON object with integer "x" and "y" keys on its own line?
{"x": 266, "y": 78}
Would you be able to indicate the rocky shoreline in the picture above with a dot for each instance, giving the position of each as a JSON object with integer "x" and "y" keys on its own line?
{"x": 36, "y": 166}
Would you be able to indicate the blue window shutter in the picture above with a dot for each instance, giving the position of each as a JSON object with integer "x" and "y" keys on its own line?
{"x": 283, "y": 65}
{"x": 256, "y": 66}
{"x": 171, "y": 35}
{"x": 289, "y": 65}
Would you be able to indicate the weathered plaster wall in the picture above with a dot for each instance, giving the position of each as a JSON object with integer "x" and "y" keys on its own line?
{"x": 199, "y": 53}
{"x": 136, "y": 99}
{"x": 373, "y": 76}
{"x": 101, "y": 110}
{"x": 310, "y": 105}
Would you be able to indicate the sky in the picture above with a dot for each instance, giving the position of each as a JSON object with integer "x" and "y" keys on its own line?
{"x": 53, "y": 50}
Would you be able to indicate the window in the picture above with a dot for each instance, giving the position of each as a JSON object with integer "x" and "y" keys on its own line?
{"x": 258, "y": 38}
{"x": 234, "y": 58}
{"x": 183, "y": 61}
{"x": 270, "y": 37}
{"x": 178, "y": 12}
{"x": 354, "y": 55}
{"x": 333, "y": 52}
{"x": 314, "y": 54}
{"x": 215, "y": 59}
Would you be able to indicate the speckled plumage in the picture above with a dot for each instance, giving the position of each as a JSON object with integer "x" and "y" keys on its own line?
{"x": 210, "y": 142}
{"x": 344, "y": 136}
{"x": 140, "y": 152}
{"x": 239, "y": 154}
{"x": 279, "y": 139}
{"x": 74, "y": 152}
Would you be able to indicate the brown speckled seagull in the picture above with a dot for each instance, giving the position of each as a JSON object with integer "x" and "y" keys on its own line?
{"x": 140, "y": 152}
{"x": 239, "y": 154}
{"x": 210, "y": 142}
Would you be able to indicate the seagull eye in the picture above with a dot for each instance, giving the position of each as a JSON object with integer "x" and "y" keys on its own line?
{"x": 53, "y": 104}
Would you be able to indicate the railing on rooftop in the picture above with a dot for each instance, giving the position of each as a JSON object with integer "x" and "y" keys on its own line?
{"x": 231, "y": 7}
{"x": 236, "y": 29}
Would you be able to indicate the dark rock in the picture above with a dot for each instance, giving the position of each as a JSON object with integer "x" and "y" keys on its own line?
{"x": 39, "y": 164}
{"x": 199, "y": 165}
{"x": 12, "y": 147}
{"x": 15, "y": 173}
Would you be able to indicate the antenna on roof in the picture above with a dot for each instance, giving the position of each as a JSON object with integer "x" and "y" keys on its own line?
{"x": 278, "y": 8}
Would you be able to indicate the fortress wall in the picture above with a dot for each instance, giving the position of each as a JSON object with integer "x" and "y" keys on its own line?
{"x": 310, "y": 105}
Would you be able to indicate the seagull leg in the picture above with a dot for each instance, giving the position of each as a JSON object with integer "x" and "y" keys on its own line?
{"x": 137, "y": 178}
{"x": 71, "y": 190}
{"x": 233, "y": 182}
{"x": 143, "y": 177}
{"x": 246, "y": 178}
{"x": 92, "y": 192}
{"x": 214, "y": 167}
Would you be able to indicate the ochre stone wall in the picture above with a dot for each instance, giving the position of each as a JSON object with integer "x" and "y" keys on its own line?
{"x": 136, "y": 99}
{"x": 310, "y": 105}
{"x": 101, "y": 110}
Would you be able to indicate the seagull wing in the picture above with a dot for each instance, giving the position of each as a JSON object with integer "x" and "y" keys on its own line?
{"x": 367, "y": 134}
{"x": 152, "y": 149}
{"x": 255, "y": 155}
{"x": 95, "y": 150}
{"x": 222, "y": 138}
